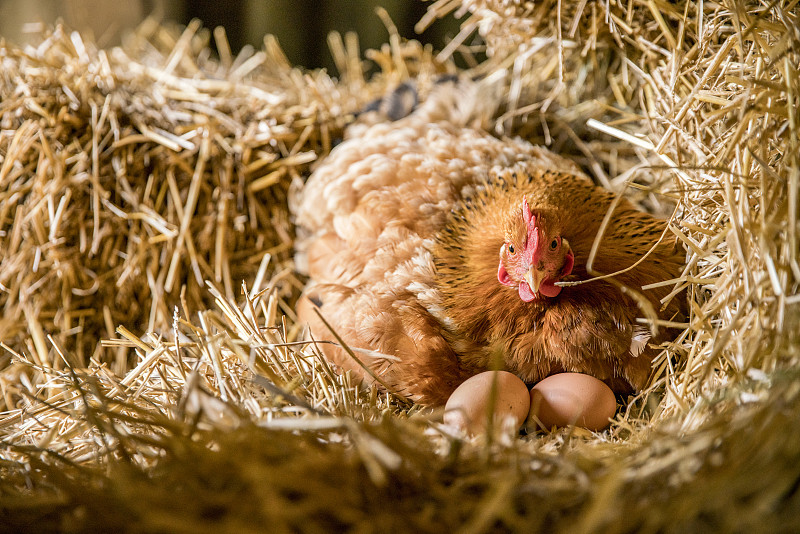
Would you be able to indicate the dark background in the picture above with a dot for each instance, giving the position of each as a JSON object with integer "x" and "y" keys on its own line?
{"x": 301, "y": 26}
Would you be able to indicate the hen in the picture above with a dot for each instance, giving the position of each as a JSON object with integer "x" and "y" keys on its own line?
{"x": 434, "y": 251}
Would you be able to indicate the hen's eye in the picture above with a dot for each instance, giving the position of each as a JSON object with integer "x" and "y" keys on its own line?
{"x": 554, "y": 244}
{"x": 511, "y": 249}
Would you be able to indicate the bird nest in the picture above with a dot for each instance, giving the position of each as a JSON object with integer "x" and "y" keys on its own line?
{"x": 152, "y": 378}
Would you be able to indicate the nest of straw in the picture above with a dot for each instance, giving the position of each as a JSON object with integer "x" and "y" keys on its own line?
{"x": 152, "y": 378}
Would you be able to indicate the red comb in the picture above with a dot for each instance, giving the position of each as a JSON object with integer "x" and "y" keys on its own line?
{"x": 528, "y": 217}
{"x": 532, "y": 237}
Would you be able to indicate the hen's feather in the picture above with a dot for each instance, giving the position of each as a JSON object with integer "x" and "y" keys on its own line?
{"x": 400, "y": 229}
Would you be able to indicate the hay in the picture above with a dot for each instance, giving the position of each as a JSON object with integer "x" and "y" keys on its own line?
{"x": 154, "y": 159}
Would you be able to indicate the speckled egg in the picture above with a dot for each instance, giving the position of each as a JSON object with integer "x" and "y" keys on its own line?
{"x": 567, "y": 399}
{"x": 498, "y": 395}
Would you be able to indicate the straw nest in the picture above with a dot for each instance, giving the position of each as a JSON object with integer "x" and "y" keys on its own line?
{"x": 153, "y": 380}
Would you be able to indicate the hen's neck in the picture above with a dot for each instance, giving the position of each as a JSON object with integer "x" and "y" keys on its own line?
{"x": 467, "y": 256}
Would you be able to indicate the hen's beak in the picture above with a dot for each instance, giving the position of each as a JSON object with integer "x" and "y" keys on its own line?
{"x": 534, "y": 278}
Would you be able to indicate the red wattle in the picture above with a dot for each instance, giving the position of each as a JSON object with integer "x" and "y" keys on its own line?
{"x": 549, "y": 289}
{"x": 525, "y": 292}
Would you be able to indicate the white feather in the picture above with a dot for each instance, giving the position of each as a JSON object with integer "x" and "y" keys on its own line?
{"x": 641, "y": 335}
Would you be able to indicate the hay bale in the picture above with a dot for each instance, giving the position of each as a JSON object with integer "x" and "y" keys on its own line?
{"x": 131, "y": 176}
{"x": 223, "y": 420}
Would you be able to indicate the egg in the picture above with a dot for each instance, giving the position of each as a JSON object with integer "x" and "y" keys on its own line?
{"x": 496, "y": 395}
{"x": 571, "y": 399}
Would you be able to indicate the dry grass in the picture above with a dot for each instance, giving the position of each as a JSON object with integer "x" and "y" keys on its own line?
{"x": 130, "y": 174}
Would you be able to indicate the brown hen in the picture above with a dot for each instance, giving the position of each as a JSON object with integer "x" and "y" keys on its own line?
{"x": 435, "y": 251}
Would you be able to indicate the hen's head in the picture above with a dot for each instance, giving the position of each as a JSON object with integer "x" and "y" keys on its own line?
{"x": 534, "y": 255}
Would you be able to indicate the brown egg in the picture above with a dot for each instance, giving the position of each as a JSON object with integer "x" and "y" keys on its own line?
{"x": 470, "y": 406}
{"x": 572, "y": 399}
